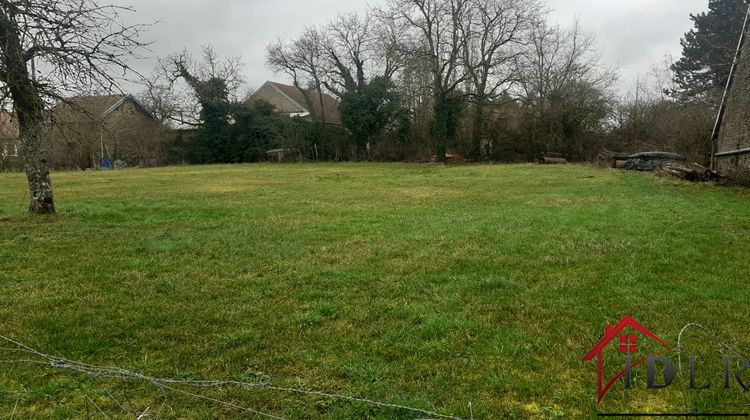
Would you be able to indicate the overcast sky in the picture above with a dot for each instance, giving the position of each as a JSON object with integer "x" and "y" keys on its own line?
{"x": 633, "y": 34}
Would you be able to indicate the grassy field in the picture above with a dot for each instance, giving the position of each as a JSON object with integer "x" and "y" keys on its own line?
{"x": 427, "y": 286}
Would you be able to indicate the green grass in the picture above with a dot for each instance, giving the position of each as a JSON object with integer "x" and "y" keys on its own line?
{"x": 428, "y": 286}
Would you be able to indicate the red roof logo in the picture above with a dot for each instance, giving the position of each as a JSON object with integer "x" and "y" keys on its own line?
{"x": 625, "y": 344}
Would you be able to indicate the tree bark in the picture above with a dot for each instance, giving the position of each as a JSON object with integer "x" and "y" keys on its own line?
{"x": 477, "y": 134}
{"x": 440, "y": 123}
{"x": 37, "y": 172}
{"x": 440, "y": 133}
{"x": 29, "y": 109}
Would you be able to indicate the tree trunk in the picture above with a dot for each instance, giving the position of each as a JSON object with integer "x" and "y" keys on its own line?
{"x": 440, "y": 128}
{"x": 37, "y": 172}
{"x": 477, "y": 132}
{"x": 29, "y": 109}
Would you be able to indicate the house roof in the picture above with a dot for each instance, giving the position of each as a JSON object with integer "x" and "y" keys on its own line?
{"x": 77, "y": 109}
{"x": 84, "y": 108}
{"x": 8, "y": 126}
{"x": 295, "y": 95}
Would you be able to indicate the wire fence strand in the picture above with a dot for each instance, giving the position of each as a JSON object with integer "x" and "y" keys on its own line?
{"x": 35, "y": 357}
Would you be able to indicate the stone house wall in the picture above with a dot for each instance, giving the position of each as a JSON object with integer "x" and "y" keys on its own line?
{"x": 735, "y": 129}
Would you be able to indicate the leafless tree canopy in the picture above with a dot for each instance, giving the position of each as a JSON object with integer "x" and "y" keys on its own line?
{"x": 69, "y": 46}
{"x": 560, "y": 58}
{"x": 302, "y": 60}
{"x": 206, "y": 79}
{"x": 358, "y": 48}
{"x": 341, "y": 56}
{"x": 437, "y": 52}
{"x": 209, "y": 67}
{"x": 496, "y": 32}
{"x": 167, "y": 104}
{"x": 436, "y": 36}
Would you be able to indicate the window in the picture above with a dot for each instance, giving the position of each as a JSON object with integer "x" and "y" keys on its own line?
{"x": 628, "y": 344}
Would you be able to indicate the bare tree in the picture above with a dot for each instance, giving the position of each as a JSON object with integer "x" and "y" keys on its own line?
{"x": 167, "y": 103}
{"x": 206, "y": 80}
{"x": 211, "y": 79}
{"x": 361, "y": 56}
{"x": 358, "y": 49}
{"x": 648, "y": 118}
{"x": 346, "y": 46}
{"x": 438, "y": 37}
{"x": 303, "y": 61}
{"x": 559, "y": 58}
{"x": 496, "y": 32}
{"x": 565, "y": 88}
{"x": 355, "y": 58}
{"x": 78, "y": 44}
{"x": 389, "y": 52}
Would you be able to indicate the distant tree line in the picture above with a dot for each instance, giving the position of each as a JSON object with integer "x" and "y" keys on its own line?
{"x": 489, "y": 80}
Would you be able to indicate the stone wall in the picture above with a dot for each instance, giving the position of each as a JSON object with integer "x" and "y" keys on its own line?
{"x": 735, "y": 129}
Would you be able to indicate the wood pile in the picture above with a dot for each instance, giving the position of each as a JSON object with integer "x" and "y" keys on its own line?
{"x": 554, "y": 159}
{"x": 693, "y": 172}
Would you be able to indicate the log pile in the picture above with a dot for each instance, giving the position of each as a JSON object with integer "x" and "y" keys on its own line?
{"x": 670, "y": 164}
{"x": 693, "y": 173}
{"x": 554, "y": 159}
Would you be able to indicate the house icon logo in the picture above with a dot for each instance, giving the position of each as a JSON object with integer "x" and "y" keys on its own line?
{"x": 627, "y": 339}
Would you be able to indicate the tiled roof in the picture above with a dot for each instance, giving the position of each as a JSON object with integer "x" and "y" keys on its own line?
{"x": 77, "y": 109}
{"x": 84, "y": 108}
{"x": 331, "y": 105}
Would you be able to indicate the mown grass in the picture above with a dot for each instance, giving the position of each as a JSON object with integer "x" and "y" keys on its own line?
{"x": 428, "y": 286}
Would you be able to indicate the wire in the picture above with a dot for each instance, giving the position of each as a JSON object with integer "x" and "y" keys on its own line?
{"x": 170, "y": 384}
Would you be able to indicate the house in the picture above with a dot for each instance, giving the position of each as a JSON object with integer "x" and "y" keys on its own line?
{"x": 732, "y": 134}
{"x": 10, "y": 145}
{"x": 293, "y": 102}
{"x": 625, "y": 343}
{"x": 97, "y": 131}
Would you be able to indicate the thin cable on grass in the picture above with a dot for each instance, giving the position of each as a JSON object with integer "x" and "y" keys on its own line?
{"x": 220, "y": 402}
{"x": 118, "y": 403}
{"x": 101, "y": 371}
{"x": 169, "y": 384}
{"x": 97, "y": 406}
{"x": 15, "y": 407}
{"x": 717, "y": 340}
{"x": 163, "y": 404}
{"x": 355, "y": 399}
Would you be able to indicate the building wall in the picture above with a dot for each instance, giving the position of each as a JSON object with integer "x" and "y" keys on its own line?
{"x": 275, "y": 98}
{"x": 127, "y": 135}
{"x": 134, "y": 137}
{"x": 10, "y": 155}
{"x": 735, "y": 130}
